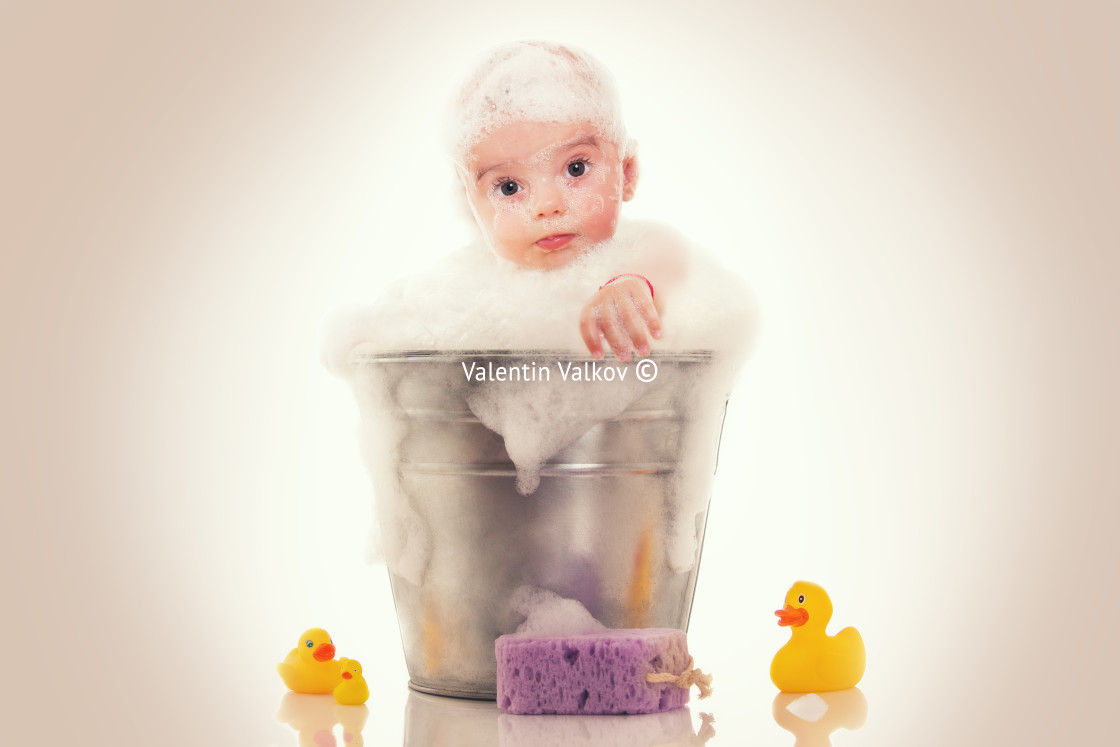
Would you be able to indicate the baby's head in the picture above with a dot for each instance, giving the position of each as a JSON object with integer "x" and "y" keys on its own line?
{"x": 542, "y": 152}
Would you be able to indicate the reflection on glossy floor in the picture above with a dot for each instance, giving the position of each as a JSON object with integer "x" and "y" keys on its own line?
{"x": 813, "y": 717}
{"x": 435, "y": 721}
{"x": 314, "y": 718}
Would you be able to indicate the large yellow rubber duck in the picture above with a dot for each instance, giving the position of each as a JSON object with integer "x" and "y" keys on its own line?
{"x": 352, "y": 688}
{"x": 813, "y": 661}
{"x": 310, "y": 667}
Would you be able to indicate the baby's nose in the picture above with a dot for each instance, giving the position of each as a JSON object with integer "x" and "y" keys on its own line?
{"x": 548, "y": 200}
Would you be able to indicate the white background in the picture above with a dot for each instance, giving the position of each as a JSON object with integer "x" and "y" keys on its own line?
{"x": 922, "y": 195}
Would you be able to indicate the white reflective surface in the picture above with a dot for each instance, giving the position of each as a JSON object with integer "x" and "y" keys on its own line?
{"x": 434, "y": 721}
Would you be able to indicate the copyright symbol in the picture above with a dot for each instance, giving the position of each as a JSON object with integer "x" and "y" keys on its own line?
{"x": 646, "y": 370}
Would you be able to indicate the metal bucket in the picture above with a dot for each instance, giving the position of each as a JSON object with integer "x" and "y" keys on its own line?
{"x": 616, "y": 522}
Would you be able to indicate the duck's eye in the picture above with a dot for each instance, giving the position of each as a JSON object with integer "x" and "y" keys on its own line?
{"x": 577, "y": 168}
{"x": 310, "y": 644}
{"x": 509, "y": 189}
{"x": 801, "y": 599}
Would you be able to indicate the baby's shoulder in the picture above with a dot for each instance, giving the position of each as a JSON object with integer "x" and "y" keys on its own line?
{"x": 649, "y": 231}
{"x": 651, "y": 243}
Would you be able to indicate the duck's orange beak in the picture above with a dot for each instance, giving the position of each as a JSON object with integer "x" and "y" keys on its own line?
{"x": 792, "y": 616}
{"x": 347, "y": 676}
{"x": 325, "y": 652}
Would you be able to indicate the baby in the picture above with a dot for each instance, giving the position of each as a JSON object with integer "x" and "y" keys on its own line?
{"x": 544, "y": 161}
{"x": 543, "y": 156}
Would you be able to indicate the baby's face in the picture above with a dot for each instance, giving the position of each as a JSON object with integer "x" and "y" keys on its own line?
{"x": 544, "y": 193}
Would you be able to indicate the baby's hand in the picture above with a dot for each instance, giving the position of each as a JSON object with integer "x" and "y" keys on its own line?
{"x": 623, "y": 312}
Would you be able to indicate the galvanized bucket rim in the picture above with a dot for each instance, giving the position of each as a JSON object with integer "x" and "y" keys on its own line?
{"x": 405, "y": 356}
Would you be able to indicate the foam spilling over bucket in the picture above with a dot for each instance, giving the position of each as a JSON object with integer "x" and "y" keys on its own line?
{"x": 546, "y": 501}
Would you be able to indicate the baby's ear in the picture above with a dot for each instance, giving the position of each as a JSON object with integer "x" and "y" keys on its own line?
{"x": 629, "y": 177}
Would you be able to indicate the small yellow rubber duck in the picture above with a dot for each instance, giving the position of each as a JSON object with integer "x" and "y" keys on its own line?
{"x": 813, "y": 661}
{"x": 310, "y": 667}
{"x": 352, "y": 690}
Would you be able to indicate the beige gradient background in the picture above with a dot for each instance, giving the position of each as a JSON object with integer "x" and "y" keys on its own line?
{"x": 924, "y": 196}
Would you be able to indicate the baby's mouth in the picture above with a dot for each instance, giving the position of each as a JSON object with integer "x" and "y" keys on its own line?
{"x": 555, "y": 241}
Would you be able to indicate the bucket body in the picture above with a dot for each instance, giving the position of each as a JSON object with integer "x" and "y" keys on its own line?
{"x": 612, "y": 517}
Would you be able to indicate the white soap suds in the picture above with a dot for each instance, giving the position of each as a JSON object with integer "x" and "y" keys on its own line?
{"x": 548, "y": 614}
{"x": 474, "y": 300}
{"x": 534, "y": 81}
{"x": 811, "y": 707}
{"x": 538, "y": 421}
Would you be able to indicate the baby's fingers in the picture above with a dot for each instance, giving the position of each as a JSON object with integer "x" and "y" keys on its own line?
{"x": 649, "y": 314}
{"x": 635, "y": 326}
{"x": 611, "y": 323}
{"x": 589, "y": 329}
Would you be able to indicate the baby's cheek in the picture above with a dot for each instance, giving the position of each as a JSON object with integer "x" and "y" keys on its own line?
{"x": 512, "y": 209}
{"x": 508, "y": 219}
{"x": 589, "y": 203}
{"x": 608, "y": 221}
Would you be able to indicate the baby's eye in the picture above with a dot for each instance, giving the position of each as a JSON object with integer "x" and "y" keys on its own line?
{"x": 508, "y": 188}
{"x": 577, "y": 168}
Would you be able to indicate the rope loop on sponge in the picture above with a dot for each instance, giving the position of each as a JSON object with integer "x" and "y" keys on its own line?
{"x": 685, "y": 679}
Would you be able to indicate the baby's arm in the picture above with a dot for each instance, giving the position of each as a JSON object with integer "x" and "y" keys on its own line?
{"x": 627, "y": 309}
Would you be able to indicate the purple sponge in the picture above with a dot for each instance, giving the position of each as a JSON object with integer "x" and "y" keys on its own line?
{"x": 600, "y": 672}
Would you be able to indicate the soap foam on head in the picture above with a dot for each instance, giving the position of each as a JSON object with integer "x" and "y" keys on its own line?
{"x": 534, "y": 81}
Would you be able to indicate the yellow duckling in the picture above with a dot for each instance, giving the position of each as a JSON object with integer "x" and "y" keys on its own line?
{"x": 813, "y": 661}
{"x": 352, "y": 690}
{"x": 310, "y": 667}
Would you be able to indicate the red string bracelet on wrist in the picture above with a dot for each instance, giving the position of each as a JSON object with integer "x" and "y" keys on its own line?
{"x": 630, "y": 275}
